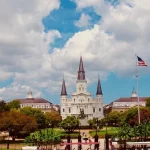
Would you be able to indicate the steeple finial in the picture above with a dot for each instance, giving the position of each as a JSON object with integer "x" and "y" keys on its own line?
{"x": 63, "y": 89}
{"x": 81, "y": 72}
{"x": 99, "y": 89}
{"x": 134, "y": 93}
{"x": 30, "y": 94}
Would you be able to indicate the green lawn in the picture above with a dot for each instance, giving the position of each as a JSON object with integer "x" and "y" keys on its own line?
{"x": 73, "y": 135}
{"x": 110, "y": 130}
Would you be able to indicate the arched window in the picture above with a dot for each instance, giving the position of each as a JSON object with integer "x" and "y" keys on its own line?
{"x": 74, "y": 100}
{"x": 93, "y": 110}
{"x": 79, "y": 89}
{"x": 63, "y": 110}
{"x": 69, "y": 110}
{"x": 99, "y": 109}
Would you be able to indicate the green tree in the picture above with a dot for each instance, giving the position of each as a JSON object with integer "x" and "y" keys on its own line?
{"x": 144, "y": 117}
{"x": 70, "y": 123}
{"x": 91, "y": 123}
{"x": 37, "y": 114}
{"x": 3, "y": 106}
{"x": 148, "y": 102}
{"x": 15, "y": 104}
{"x": 124, "y": 132}
{"x": 48, "y": 136}
{"x": 53, "y": 118}
{"x": 128, "y": 115}
{"x": 17, "y": 123}
{"x": 113, "y": 117}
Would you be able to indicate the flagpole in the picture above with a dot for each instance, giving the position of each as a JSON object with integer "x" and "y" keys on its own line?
{"x": 137, "y": 91}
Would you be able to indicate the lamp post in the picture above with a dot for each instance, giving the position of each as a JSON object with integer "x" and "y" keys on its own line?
{"x": 68, "y": 138}
{"x": 79, "y": 139}
{"x": 106, "y": 138}
{"x": 8, "y": 138}
{"x": 96, "y": 136}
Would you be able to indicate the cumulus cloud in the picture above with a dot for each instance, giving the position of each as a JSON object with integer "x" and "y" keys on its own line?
{"x": 109, "y": 46}
{"x": 84, "y": 21}
{"x": 23, "y": 42}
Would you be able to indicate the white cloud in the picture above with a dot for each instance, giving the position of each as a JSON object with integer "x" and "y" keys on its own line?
{"x": 107, "y": 47}
{"x": 23, "y": 43}
{"x": 84, "y": 21}
{"x": 110, "y": 46}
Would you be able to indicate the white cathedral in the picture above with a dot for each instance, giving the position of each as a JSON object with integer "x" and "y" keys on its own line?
{"x": 82, "y": 100}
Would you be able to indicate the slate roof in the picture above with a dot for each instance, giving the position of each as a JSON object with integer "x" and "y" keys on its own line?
{"x": 99, "y": 89}
{"x": 81, "y": 72}
{"x": 33, "y": 100}
{"x": 63, "y": 89}
{"x": 130, "y": 99}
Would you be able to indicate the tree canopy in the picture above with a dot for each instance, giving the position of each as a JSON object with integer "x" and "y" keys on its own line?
{"x": 15, "y": 104}
{"x": 46, "y": 136}
{"x": 113, "y": 117}
{"x": 70, "y": 123}
{"x": 148, "y": 102}
{"x": 36, "y": 113}
{"x": 17, "y": 123}
{"x": 131, "y": 116}
{"x": 2, "y": 106}
{"x": 53, "y": 118}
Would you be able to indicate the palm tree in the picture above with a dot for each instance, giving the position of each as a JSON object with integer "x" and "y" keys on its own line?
{"x": 51, "y": 136}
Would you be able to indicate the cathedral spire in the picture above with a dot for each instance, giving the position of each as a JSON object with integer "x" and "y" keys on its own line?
{"x": 81, "y": 72}
{"x": 99, "y": 89}
{"x": 63, "y": 89}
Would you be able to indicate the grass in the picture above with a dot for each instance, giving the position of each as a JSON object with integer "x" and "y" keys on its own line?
{"x": 73, "y": 135}
{"x": 110, "y": 130}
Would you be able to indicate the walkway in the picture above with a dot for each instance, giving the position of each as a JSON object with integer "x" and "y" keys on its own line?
{"x": 84, "y": 147}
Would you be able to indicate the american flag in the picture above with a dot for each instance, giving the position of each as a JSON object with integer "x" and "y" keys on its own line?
{"x": 141, "y": 62}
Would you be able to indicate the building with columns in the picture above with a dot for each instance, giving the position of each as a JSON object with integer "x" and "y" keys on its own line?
{"x": 124, "y": 103}
{"x": 81, "y": 100}
{"x": 40, "y": 103}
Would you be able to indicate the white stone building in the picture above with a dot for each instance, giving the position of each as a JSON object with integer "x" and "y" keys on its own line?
{"x": 81, "y": 99}
{"x": 124, "y": 103}
{"x": 39, "y": 103}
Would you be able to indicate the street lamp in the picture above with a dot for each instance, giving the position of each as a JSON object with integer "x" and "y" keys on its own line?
{"x": 106, "y": 128}
{"x": 9, "y": 130}
{"x": 96, "y": 136}
{"x": 79, "y": 139}
{"x": 106, "y": 138}
{"x": 68, "y": 137}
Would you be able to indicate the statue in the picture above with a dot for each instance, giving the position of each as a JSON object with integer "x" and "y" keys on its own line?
{"x": 82, "y": 115}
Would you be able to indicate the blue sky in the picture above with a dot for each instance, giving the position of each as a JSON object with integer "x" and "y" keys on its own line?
{"x": 41, "y": 42}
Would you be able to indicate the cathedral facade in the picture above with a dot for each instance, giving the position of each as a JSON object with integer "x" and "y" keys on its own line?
{"x": 81, "y": 101}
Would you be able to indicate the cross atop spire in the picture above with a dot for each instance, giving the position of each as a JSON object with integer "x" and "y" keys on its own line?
{"x": 99, "y": 89}
{"x": 63, "y": 89}
{"x": 81, "y": 72}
